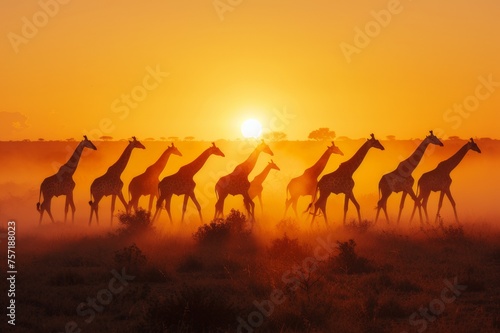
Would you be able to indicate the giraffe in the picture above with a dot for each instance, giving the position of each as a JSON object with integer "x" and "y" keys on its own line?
{"x": 62, "y": 183}
{"x": 439, "y": 180}
{"x": 182, "y": 183}
{"x": 147, "y": 182}
{"x": 306, "y": 183}
{"x": 110, "y": 183}
{"x": 256, "y": 188}
{"x": 401, "y": 180}
{"x": 237, "y": 182}
{"x": 340, "y": 181}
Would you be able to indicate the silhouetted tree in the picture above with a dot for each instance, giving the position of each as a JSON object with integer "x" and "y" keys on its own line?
{"x": 106, "y": 138}
{"x": 322, "y": 134}
{"x": 41, "y": 139}
{"x": 173, "y": 138}
{"x": 454, "y": 137}
{"x": 391, "y": 137}
{"x": 274, "y": 136}
{"x": 70, "y": 139}
{"x": 149, "y": 139}
{"x": 189, "y": 138}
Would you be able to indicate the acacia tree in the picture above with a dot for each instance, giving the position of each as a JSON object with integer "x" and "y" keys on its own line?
{"x": 322, "y": 134}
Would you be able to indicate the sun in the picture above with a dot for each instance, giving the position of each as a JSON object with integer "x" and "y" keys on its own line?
{"x": 251, "y": 128}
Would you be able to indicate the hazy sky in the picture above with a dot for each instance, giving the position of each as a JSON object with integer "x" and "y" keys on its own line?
{"x": 199, "y": 68}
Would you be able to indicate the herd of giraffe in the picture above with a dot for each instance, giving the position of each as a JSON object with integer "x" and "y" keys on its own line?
{"x": 237, "y": 183}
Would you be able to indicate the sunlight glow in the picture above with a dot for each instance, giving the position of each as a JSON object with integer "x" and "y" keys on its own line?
{"x": 251, "y": 128}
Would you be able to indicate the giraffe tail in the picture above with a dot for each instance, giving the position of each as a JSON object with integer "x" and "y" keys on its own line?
{"x": 313, "y": 200}
{"x": 39, "y": 199}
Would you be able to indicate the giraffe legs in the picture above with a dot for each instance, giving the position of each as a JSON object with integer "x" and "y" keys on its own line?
{"x": 113, "y": 202}
{"x": 249, "y": 205}
{"x": 321, "y": 205}
{"x": 150, "y": 205}
{"x": 261, "y": 207}
{"x": 350, "y": 196}
{"x": 219, "y": 206}
{"x": 94, "y": 207}
{"x": 45, "y": 206}
{"x": 402, "y": 203}
{"x": 184, "y": 205}
{"x": 382, "y": 204}
{"x": 69, "y": 203}
{"x": 159, "y": 203}
{"x": 452, "y": 201}
{"x": 168, "y": 200}
{"x": 197, "y": 204}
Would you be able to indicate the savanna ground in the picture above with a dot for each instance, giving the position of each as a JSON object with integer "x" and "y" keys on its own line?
{"x": 194, "y": 278}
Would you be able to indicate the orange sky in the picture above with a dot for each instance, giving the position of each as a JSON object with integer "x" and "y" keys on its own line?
{"x": 279, "y": 61}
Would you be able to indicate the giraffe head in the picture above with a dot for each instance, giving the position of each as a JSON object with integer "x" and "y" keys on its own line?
{"x": 273, "y": 165}
{"x": 333, "y": 149}
{"x": 214, "y": 150}
{"x": 88, "y": 144}
{"x": 173, "y": 150}
{"x": 263, "y": 147}
{"x": 135, "y": 143}
{"x": 473, "y": 146}
{"x": 374, "y": 143}
{"x": 431, "y": 138}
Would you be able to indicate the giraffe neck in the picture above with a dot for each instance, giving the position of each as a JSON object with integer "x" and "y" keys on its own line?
{"x": 192, "y": 168}
{"x": 407, "y": 166}
{"x": 452, "y": 162}
{"x": 156, "y": 168}
{"x": 351, "y": 165}
{"x": 259, "y": 179}
{"x": 320, "y": 165}
{"x": 247, "y": 166}
{"x": 69, "y": 168}
{"x": 119, "y": 166}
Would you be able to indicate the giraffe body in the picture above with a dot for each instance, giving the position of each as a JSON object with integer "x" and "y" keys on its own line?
{"x": 147, "y": 182}
{"x": 236, "y": 183}
{"x": 110, "y": 183}
{"x": 439, "y": 180}
{"x": 62, "y": 183}
{"x": 401, "y": 180}
{"x": 182, "y": 183}
{"x": 306, "y": 183}
{"x": 340, "y": 181}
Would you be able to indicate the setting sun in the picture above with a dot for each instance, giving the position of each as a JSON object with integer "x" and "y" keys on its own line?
{"x": 251, "y": 128}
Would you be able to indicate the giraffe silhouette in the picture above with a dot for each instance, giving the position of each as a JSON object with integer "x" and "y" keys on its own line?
{"x": 439, "y": 180}
{"x": 256, "y": 187}
{"x": 306, "y": 183}
{"x": 62, "y": 183}
{"x": 401, "y": 180}
{"x": 340, "y": 181}
{"x": 237, "y": 182}
{"x": 110, "y": 183}
{"x": 182, "y": 183}
{"x": 147, "y": 182}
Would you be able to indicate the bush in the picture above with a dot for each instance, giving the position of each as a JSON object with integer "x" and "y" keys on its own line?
{"x": 131, "y": 258}
{"x": 348, "y": 262}
{"x": 222, "y": 230}
{"x": 135, "y": 224}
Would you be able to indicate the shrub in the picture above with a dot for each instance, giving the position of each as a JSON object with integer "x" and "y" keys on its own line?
{"x": 131, "y": 258}
{"x": 360, "y": 227}
{"x": 136, "y": 223}
{"x": 66, "y": 278}
{"x": 348, "y": 262}
{"x": 221, "y": 230}
{"x": 286, "y": 248}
